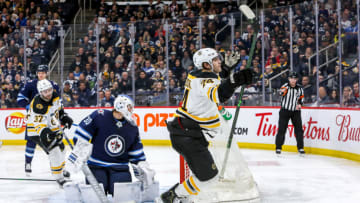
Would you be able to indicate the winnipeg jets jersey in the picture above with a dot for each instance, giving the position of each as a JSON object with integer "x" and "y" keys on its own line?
{"x": 200, "y": 100}
{"x": 44, "y": 114}
{"x": 115, "y": 142}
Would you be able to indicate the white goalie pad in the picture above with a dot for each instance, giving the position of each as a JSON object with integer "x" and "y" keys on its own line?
{"x": 238, "y": 184}
{"x": 135, "y": 192}
{"x": 76, "y": 192}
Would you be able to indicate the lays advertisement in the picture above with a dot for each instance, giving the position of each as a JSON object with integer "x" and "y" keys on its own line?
{"x": 15, "y": 123}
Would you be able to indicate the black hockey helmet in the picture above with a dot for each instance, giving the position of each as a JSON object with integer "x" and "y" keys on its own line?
{"x": 293, "y": 74}
{"x": 42, "y": 68}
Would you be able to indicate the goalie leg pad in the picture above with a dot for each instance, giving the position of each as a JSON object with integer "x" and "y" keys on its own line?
{"x": 57, "y": 162}
{"x": 197, "y": 155}
{"x": 117, "y": 176}
{"x": 101, "y": 176}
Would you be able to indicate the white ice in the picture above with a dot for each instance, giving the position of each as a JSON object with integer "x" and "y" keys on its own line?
{"x": 286, "y": 179}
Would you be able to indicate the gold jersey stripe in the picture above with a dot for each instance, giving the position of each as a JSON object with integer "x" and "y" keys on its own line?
{"x": 211, "y": 126}
{"x": 198, "y": 118}
{"x": 58, "y": 167}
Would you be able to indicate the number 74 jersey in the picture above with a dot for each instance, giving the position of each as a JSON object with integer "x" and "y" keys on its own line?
{"x": 44, "y": 114}
{"x": 200, "y": 100}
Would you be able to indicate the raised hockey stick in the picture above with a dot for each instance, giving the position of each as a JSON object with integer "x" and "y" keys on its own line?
{"x": 245, "y": 9}
{"x": 90, "y": 176}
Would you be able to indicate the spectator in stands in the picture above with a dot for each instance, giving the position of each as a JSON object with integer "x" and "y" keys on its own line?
{"x": 148, "y": 68}
{"x": 334, "y": 97}
{"x": 158, "y": 88}
{"x": 323, "y": 96}
{"x": 67, "y": 94}
{"x": 308, "y": 89}
{"x": 356, "y": 90}
{"x": 90, "y": 75}
{"x": 76, "y": 101}
{"x": 77, "y": 72}
{"x": 108, "y": 99}
{"x": 178, "y": 69}
{"x": 125, "y": 83}
{"x": 142, "y": 83}
{"x": 84, "y": 94}
{"x": 186, "y": 61}
{"x": 348, "y": 97}
{"x": 115, "y": 90}
{"x": 77, "y": 62}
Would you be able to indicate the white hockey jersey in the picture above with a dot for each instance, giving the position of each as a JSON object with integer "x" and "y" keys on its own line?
{"x": 200, "y": 100}
{"x": 44, "y": 114}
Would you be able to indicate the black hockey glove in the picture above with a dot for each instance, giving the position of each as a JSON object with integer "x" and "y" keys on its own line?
{"x": 50, "y": 139}
{"x": 66, "y": 120}
{"x": 243, "y": 77}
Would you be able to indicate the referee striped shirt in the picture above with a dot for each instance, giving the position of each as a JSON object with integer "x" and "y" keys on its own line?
{"x": 291, "y": 96}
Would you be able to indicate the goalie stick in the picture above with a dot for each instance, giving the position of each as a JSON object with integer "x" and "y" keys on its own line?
{"x": 251, "y": 16}
{"x": 90, "y": 176}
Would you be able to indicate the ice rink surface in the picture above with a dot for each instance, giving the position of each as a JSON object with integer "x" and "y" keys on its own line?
{"x": 286, "y": 179}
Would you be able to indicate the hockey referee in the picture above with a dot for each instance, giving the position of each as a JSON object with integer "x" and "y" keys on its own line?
{"x": 292, "y": 96}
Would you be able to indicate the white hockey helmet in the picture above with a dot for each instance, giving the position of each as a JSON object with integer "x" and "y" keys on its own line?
{"x": 125, "y": 105}
{"x": 45, "y": 89}
{"x": 204, "y": 55}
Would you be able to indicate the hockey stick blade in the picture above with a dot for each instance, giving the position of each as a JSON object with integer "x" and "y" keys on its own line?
{"x": 246, "y": 10}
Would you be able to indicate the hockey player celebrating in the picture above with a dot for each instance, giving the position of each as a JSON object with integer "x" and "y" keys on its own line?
{"x": 197, "y": 117}
{"x": 25, "y": 96}
{"x": 45, "y": 117}
{"x": 114, "y": 143}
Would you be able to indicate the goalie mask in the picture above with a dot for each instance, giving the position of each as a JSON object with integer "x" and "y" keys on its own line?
{"x": 45, "y": 89}
{"x": 125, "y": 105}
{"x": 205, "y": 55}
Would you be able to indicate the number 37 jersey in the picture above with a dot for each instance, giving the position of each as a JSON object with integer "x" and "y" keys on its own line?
{"x": 200, "y": 100}
{"x": 44, "y": 114}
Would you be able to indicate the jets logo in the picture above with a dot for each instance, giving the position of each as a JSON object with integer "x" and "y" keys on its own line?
{"x": 114, "y": 145}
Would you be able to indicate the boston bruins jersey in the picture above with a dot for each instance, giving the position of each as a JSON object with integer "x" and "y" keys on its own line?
{"x": 44, "y": 114}
{"x": 200, "y": 100}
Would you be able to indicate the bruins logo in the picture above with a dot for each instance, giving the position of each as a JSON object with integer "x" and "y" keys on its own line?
{"x": 39, "y": 106}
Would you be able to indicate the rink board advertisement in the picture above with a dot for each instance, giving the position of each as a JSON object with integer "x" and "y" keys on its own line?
{"x": 335, "y": 129}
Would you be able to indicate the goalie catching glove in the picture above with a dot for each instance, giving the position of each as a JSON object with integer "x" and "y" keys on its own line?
{"x": 79, "y": 155}
{"x": 144, "y": 173}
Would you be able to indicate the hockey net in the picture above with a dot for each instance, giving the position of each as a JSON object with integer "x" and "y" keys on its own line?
{"x": 237, "y": 185}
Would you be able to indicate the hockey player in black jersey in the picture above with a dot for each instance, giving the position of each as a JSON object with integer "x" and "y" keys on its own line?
{"x": 45, "y": 117}
{"x": 108, "y": 141}
{"x": 197, "y": 117}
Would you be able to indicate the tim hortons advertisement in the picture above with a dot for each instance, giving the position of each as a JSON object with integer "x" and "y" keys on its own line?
{"x": 337, "y": 129}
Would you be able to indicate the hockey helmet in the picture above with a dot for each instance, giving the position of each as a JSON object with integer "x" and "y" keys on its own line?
{"x": 42, "y": 68}
{"x": 205, "y": 55}
{"x": 293, "y": 74}
{"x": 125, "y": 105}
{"x": 45, "y": 89}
